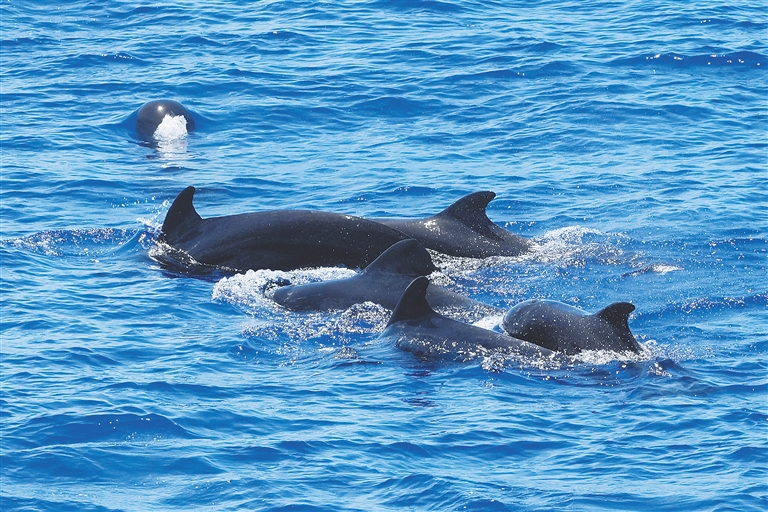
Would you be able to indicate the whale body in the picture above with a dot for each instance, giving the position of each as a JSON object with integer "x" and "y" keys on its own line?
{"x": 563, "y": 328}
{"x": 382, "y": 282}
{"x": 415, "y": 327}
{"x": 151, "y": 115}
{"x": 276, "y": 239}
{"x": 463, "y": 229}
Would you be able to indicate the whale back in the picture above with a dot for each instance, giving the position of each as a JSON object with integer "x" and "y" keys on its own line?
{"x": 406, "y": 257}
{"x": 413, "y": 303}
{"x": 470, "y": 211}
{"x": 182, "y": 216}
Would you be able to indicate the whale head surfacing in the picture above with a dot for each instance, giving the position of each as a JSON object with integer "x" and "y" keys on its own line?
{"x": 563, "y": 328}
{"x": 155, "y": 114}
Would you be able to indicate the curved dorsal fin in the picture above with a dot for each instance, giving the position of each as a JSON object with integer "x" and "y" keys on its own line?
{"x": 413, "y": 303}
{"x": 182, "y": 213}
{"x": 470, "y": 211}
{"x": 617, "y": 314}
{"x": 405, "y": 257}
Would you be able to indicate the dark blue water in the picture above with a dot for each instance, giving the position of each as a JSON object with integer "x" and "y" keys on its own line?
{"x": 628, "y": 139}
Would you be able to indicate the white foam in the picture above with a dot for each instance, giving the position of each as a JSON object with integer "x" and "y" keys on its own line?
{"x": 661, "y": 268}
{"x": 603, "y": 357}
{"x": 171, "y": 128}
{"x": 500, "y": 360}
{"x": 489, "y": 322}
{"x": 254, "y": 289}
{"x": 565, "y": 247}
{"x": 573, "y": 245}
{"x": 171, "y": 136}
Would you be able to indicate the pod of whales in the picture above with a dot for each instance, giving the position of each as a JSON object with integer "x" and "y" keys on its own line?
{"x": 382, "y": 282}
{"x": 276, "y": 239}
{"x": 152, "y": 114}
{"x": 563, "y": 328}
{"x": 463, "y": 229}
{"x": 395, "y": 266}
{"x": 415, "y": 327}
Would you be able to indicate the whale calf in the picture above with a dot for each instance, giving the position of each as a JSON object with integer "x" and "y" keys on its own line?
{"x": 415, "y": 327}
{"x": 563, "y": 328}
{"x": 276, "y": 239}
{"x": 382, "y": 282}
{"x": 463, "y": 229}
{"x": 151, "y": 115}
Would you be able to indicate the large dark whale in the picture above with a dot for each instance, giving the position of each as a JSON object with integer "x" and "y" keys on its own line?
{"x": 277, "y": 239}
{"x": 563, "y": 328}
{"x": 382, "y": 282}
{"x": 463, "y": 229}
{"x": 152, "y": 114}
{"x": 415, "y": 327}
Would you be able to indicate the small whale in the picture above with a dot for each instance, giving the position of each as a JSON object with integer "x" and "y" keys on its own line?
{"x": 151, "y": 115}
{"x": 463, "y": 229}
{"x": 563, "y": 328}
{"x": 415, "y": 327}
{"x": 276, "y": 239}
{"x": 382, "y": 282}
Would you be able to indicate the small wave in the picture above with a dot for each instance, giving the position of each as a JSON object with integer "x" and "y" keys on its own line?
{"x": 558, "y": 68}
{"x": 675, "y": 60}
{"x": 78, "y": 242}
{"x": 395, "y": 106}
{"x": 200, "y": 41}
{"x": 287, "y": 35}
{"x": 708, "y": 305}
{"x": 65, "y": 429}
{"x": 334, "y": 328}
{"x": 93, "y": 60}
{"x": 575, "y": 246}
{"x": 545, "y": 47}
{"x": 421, "y": 6}
{"x": 547, "y": 70}
{"x": 656, "y": 268}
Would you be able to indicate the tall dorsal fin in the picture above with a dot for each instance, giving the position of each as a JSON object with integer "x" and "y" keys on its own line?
{"x": 182, "y": 213}
{"x": 470, "y": 211}
{"x": 413, "y": 303}
{"x": 405, "y": 257}
{"x": 617, "y": 314}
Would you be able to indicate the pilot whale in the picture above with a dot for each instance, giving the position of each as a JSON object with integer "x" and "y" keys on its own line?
{"x": 152, "y": 114}
{"x": 276, "y": 239}
{"x": 563, "y": 328}
{"x": 415, "y": 327}
{"x": 463, "y": 229}
{"x": 382, "y": 282}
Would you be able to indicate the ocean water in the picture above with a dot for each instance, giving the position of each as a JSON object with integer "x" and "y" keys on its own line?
{"x": 627, "y": 139}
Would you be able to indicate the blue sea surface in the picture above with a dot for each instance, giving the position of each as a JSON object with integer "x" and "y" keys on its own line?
{"x": 628, "y": 140}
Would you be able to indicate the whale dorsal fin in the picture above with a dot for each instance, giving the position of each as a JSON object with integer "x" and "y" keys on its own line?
{"x": 413, "y": 303}
{"x": 617, "y": 314}
{"x": 405, "y": 257}
{"x": 182, "y": 213}
{"x": 470, "y": 211}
